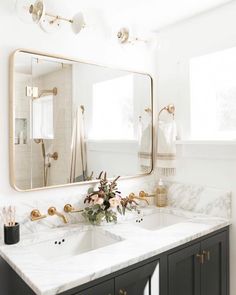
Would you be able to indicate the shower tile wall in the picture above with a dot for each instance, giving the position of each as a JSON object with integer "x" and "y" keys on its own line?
{"x": 28, "y": 159}
{"x": 26, "y": 153}
{"x": 62, "y": 121}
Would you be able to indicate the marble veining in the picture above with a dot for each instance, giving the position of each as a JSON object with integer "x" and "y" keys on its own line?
{"x": 206, "y": 209}
{"x": 200, "y": 199}
{"x": 135, "y": 244}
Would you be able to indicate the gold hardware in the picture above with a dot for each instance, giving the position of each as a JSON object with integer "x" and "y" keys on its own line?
{"x": 200, "y": 258}
{"x": 122, "y": 292}
{"x": 36, "y": 215}
{"x": 53, "y": 211}
{"x": 170, "y": 109}
{"x": 148, "y": 110}
{"x": 52, "y": 91}
{"x": 53, "y": 156}
{"x": 123, "y": 35}
{"x": 141, "y": 197}
{"x": 68, "y": 208}
{"x": 207, "y": 255}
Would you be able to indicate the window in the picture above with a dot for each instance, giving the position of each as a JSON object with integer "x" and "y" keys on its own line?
{"x": 213, "y": 96}
{"x": 113, "y": 111}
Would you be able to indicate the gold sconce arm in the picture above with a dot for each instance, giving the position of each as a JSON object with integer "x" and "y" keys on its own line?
{"x": 53, "y": 211}
{"x": 36, "y": 215}
{"x": 68, "y": 208}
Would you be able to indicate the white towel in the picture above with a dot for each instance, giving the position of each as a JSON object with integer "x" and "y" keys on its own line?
{"x": 42, "y": 118}
{"x": 166, "y": 149}
{"x": 145, "y": 147}
{"x": 78, "y": 164}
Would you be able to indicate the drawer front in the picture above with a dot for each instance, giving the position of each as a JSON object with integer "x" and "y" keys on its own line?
{"x": 140, "y": 281}
{"x": 106, "y": 288}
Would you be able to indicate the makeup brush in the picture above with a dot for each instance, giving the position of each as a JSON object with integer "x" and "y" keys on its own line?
{"x": 9, "y": 216}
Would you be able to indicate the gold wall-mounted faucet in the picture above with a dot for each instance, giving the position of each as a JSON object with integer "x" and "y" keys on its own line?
{"x": 143, "y": 196}
{"x": 36, "y": 215}
{"x": 53, "y": 211}
{"x": 68, "y": 208}
{"x": 132, "y": 196}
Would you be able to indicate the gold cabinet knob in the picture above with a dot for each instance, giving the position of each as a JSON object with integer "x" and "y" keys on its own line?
{"x": 200, "y": 258}
{"x": 207, "y": 255}
{"x": 123, "y": 292}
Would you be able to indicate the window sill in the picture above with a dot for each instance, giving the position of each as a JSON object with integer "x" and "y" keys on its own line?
{"x": 205, "y": 142}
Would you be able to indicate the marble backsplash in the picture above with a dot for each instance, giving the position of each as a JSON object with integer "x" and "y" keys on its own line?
{"x": 200, "y": 199}
{"x": 195, "y": 198}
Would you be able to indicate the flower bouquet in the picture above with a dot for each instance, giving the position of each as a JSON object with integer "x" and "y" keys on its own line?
{"x": 104, "y": 203}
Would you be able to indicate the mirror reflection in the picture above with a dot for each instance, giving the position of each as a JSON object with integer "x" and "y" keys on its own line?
{"x": 72, "y": 120}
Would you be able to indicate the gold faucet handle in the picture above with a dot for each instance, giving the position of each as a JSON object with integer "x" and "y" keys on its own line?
{"x": 53, "y": 211}
{"x": 68, "y": 208}
{"x": 143, "y": 194}
{"x": 132, "y": 196}
{"x": 36, "y": 215}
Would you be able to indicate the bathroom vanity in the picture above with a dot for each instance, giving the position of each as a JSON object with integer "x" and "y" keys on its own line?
{"x": 179, "y": 250}
{"x": 185, "y": 255}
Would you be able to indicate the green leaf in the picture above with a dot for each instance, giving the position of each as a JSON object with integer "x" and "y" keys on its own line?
{"x": 90, "y": 190}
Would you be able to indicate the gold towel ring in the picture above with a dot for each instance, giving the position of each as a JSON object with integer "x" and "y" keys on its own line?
{"x": 170, "y": 109}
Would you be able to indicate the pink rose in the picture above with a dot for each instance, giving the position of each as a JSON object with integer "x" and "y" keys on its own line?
{"x": 114, "y": 202}
{"x": 98, "y": 201}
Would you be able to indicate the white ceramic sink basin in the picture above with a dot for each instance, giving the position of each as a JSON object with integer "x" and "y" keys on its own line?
{"x": 74, "y": 244}
{"x": 158, "y": 220}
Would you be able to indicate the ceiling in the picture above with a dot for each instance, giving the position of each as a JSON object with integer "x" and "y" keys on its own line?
{"x": 150, "y": 14}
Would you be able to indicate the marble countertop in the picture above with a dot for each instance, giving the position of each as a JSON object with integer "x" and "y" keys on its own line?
{"x": 136, "y": 244}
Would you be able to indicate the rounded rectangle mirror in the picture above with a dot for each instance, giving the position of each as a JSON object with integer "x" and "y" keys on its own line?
{"x": 72, "y": 120}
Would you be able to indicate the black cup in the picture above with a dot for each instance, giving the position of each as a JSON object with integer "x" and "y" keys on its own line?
{"x": 12, "y": 234}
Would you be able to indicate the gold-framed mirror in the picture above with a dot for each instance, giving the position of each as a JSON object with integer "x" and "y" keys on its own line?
{"x": 70, "y": 120}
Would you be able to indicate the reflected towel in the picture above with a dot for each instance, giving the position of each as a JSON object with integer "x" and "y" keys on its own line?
{"x": 166, "y": 149}
{"x": 42, "y": 117}
{"x": 145, "y": 148}
{"x": 78, "y": 165}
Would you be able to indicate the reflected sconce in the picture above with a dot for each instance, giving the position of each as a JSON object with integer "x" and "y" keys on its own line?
{"x": 29, "y": 11}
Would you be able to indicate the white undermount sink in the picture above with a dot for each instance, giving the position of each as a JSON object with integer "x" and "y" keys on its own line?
{"x": 158, "y": 220}
{"x": 74, "y": 244}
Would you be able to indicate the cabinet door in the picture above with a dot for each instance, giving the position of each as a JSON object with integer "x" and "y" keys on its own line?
{"x": 140, "y": 281}
{"x": 184, "y": 271}
{"x": 106, "y": 288}
{"x": 215, "y": 268}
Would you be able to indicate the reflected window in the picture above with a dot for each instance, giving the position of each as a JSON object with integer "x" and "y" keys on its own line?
{"x": 213, "y": 95}
{"x": 113, "y": 111}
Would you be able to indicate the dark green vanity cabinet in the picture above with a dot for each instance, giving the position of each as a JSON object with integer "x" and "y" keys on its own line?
{"x": 105, "y": 288}
{"x": 200, "y": 267}
{"x": 132, "y": 282}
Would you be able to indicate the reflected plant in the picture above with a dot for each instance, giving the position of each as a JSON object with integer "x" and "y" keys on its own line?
{"x": 105, "y": 202}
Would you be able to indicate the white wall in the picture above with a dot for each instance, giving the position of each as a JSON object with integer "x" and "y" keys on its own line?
{"x": 209, "y": 164}
{"x": 88, "y": 46}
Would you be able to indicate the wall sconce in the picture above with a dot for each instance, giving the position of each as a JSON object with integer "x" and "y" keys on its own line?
{"x": 35, "y": 12}
{"x": 124, "y": 36}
